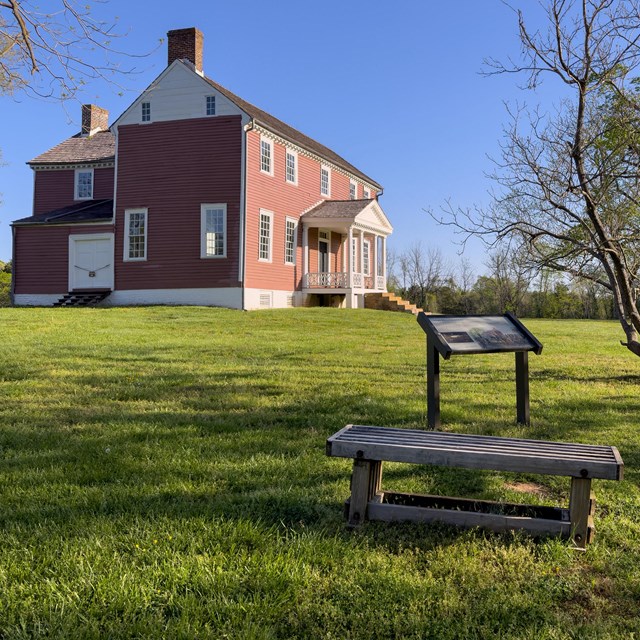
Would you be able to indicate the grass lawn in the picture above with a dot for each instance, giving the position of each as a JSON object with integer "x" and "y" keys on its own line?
{"x": 162, "y": 474}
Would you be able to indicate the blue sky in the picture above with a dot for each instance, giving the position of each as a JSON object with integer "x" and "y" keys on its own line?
{"x": 394, "y": 87}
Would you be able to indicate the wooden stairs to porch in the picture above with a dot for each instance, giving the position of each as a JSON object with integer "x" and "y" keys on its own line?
{"x": 81, "y": 298}
{"x": 389, "y": 302}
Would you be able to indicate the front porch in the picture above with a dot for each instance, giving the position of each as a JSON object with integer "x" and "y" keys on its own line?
{"x": 344, "y": 250}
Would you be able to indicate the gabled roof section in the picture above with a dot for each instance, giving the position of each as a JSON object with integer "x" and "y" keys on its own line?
{"x": 98, "y": 148}
{"x": 88, "y": 211}
{"x": 365, "y": 214}
{"x": 289, "y": 133}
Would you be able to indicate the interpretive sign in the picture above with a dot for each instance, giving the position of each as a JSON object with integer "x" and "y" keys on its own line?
{"x": 454, "y": 335}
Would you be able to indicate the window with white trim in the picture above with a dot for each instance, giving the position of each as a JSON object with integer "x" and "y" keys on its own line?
{"x": 146, "y": 111}
{"x": 354, "y": 255}
{"x": 266, "y": 156}
{"x": 83, "y": 184}
{"x": 290, "y": 233}
{"x": 366, "y": 262}
{"x": 135, "y": 234}
{"x": 325, "y": 181}
{"x": 264, "y": 239}
{"x": 211, "y": 106}
{"x": 366, "y": 193}
{"x": 291, "y": 160}
{"x": 213, "y": 231}
{"x": 353, "y": 190}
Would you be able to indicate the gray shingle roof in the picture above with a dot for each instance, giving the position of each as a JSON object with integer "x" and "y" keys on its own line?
{"x": 100, "y": 147}
{"x": 337, "y": 209}
{"x": 88, "y": 211}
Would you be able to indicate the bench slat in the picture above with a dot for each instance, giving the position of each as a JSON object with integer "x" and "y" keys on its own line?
{"x": 502, "y": 447}
{"x": 476, "y": 452}
{"x": 410, "y": 434}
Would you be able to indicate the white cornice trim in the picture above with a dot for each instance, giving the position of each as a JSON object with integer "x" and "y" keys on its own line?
{"x": 72, "y": 165}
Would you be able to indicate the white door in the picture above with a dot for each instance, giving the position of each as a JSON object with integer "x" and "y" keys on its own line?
{"x": 91, "y": 262}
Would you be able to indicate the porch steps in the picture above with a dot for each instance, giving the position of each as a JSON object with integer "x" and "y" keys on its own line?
{"x": 81, "y": 298}
{"x": 386, "y": 301}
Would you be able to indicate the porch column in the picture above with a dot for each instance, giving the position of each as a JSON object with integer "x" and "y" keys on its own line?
{"x": 362, "y": 256}
{"x": 350, "y": 258}
{"x": 305, "y": 255}
{"x": 384, "y": 260}
{"x": 375, "y": 259}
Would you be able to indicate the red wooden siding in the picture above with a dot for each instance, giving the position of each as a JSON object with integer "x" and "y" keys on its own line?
{"x": 54, "y": 188}
{"x": 41, "y": 256}
{"x": 275, "y": 194}
{"x": 171, "y": 168}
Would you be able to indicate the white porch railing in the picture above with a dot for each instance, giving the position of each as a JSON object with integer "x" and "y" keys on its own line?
{"x": 327, "y": 280}
{"x": 340, "y": 280}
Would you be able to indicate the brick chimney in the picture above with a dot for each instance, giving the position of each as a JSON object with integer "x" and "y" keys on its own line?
{"x": 186, "y": 44}
{"x": 94, "y": 119}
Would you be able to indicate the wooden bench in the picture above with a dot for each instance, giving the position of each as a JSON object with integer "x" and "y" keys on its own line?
{"x": 370, "y": 446}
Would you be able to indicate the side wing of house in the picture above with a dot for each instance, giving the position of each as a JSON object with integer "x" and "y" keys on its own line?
{"x": 67, "y": 242}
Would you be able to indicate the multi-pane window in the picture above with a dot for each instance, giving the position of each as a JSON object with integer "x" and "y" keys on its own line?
{"x": 291, "y": 166}
{"x": 264, "y": 243}
{"x": 213, "y": 229}
{"x": 266, "y": 153}
{"x": 366, "y": 264}
{"x": 366, "y": 193}
{"x": 352, "y": 190}
{"x": 146, "y": 112}
{"x": 325, "y": 181}
{"x": 290, "y": 241}
{"x": 354, "y": 255}
{"x": 211, "y": 105}
{"x": 135, "y": 235}
{"x": 84, "y": 184}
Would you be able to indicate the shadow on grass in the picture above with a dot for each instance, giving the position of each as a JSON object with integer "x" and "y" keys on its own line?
{"x": 210, "y": 446}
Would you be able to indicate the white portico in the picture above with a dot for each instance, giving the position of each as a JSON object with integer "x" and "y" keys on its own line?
{"x": 344, "y": 245}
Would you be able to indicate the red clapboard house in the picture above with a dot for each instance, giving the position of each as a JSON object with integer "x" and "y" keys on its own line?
{"x": 195, "y": 196}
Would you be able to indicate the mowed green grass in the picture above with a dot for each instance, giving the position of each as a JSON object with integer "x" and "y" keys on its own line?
{"x": 163, "y": 474}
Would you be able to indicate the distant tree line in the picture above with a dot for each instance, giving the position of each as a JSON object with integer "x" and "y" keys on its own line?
{"x": 5, "y": 283}
{"x": 426, "y": 278}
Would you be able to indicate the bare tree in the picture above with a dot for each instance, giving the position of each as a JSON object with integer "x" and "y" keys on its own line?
{"x": 51, "y": 50}
{"x": 568, "y": 181}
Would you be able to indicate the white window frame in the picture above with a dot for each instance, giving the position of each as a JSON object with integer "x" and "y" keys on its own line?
{"x": 266, "y": 141}
{"x": 366, "y": 258}
{"x": 269, "y": 215}
{"x": 366, "y": 193}
{"x": 354, "y": 254}
{"x": 127, "y": 218}
{"x": 324, "y": 167}
{"x": 76, "y": 196}
{"x": 294, "y": 243}
{"x": 207, "y": 103}
{"x": 353, "y": 184}
{"x": 204, "y": 208}
{"x": 145, "y": 117}
{"x": 294, "y": 155}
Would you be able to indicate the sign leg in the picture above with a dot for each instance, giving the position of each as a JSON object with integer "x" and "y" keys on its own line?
{"x": 522, "y": 387}
{"x": 433, "y": 386}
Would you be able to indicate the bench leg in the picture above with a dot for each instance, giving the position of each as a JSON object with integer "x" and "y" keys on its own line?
{"x": 581, "y": 507}
{"x": 365, "y": 483}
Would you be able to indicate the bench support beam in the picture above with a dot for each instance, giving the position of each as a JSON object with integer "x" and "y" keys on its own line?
{"x": 581, "y": 506}
{"x": 366, "y": 479}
